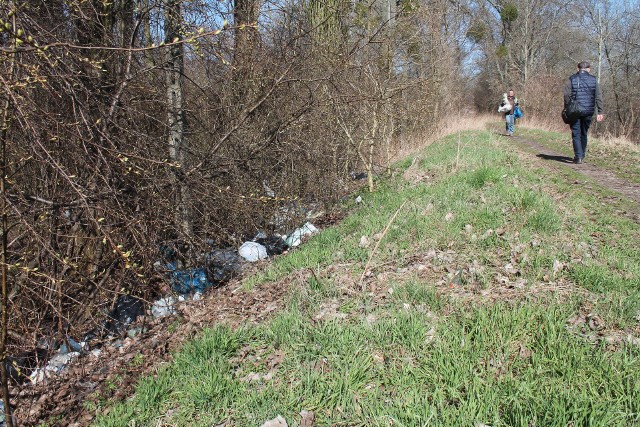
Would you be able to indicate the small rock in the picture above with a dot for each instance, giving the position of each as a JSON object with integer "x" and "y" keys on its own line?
{"x": 448, "y": 217}
{"x": 279, "y": 421}
{"x": 364, "y": 242}
{"x": 359, "y": 199}
{"x": 308, "y": 418}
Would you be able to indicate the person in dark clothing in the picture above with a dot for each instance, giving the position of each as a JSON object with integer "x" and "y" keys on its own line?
{"x": 587, "y": 92}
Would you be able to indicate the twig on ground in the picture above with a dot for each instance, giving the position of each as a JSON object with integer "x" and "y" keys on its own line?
{"x": 373, "y": 252}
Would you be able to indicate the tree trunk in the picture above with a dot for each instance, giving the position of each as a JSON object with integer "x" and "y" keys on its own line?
{"x": 245, "y": 18}
{"x": 176, "y": 115}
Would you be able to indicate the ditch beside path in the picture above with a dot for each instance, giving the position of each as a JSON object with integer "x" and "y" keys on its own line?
{"x": 601, "y": 176}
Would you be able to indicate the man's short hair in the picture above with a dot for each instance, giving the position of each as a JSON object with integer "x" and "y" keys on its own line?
{"x": 584, "y": 65}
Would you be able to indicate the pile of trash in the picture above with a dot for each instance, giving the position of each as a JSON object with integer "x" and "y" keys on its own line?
{"x": 220, "y": 266}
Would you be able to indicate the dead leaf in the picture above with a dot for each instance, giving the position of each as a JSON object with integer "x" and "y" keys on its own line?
{"x": 595, "y": 322}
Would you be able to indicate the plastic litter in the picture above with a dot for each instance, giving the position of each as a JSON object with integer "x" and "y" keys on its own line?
{"x": 60, "y": 361}
{"x": 252, "y": 251}
{"x": 358, "y": 175}
{"x": 54, "y": 367}
{"x": 126, "y": 310}
{"x": 222, "y": 265}
{"x": 275, "y": 245}
{"x": 189, "y": 280}
{"x": 295, "y": 239}
{"x": 359, "y": 199}
{"x": 73, "y": 346}
{"x": 164, "y": 307}
{"x": 20, "y": 367}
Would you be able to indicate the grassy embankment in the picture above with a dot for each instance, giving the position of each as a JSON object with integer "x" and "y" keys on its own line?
{"x": 500, "y": 294}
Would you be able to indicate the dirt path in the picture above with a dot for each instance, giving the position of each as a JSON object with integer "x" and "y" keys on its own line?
{"x": 603, "y": 177}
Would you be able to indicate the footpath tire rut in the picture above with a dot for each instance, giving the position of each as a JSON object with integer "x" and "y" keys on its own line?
{"x": 603, "y": 177}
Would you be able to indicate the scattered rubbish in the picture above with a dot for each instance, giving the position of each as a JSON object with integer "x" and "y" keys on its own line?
{"x": 54, "y": 367}
{"x": 295, "y": 239}
{"x": 73, "y": 346}
{"x": 358, "y": 175}
{"x": 252, "y": 251}
{"x": 20, "y": 367}
{"x": 125, "y": 312}
{"x": 60, "y": 361}
{"x": 275, "y": 245}
{"x": 189, "y": 280}
{"x": 222, "y": 265}
{"x": 279, "y": 421}
{"x": 164, "y": 307}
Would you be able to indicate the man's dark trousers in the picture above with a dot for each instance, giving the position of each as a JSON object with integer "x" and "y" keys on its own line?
{"x": 579, "y": 130}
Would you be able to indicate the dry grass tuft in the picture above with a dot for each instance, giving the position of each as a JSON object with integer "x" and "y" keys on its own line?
{"x": 410, "y": 145}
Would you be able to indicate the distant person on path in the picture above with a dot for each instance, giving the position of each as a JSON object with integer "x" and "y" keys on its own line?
{"x": 585, "y": 88}
{"x": 508, "y": 107}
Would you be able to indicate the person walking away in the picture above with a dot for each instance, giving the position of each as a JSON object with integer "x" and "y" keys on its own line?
{"x": 586, "y": 89}
{"x": 509, "y": 118}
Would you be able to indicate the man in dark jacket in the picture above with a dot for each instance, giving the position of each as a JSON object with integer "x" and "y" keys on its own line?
{"x": 587, "y": 92}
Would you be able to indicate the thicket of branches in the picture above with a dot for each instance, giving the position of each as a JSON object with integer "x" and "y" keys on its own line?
{"x": 129, "y": 125}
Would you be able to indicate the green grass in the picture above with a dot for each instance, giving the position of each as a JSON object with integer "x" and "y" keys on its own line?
{"x": 476, "y": 281}
{"x": 620, "y": 158}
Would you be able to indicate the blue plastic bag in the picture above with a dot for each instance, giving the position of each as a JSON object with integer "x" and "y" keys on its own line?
{"x": 517, "y": 113}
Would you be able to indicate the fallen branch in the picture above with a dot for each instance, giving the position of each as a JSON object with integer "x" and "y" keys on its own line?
{"x": 373, "y": 252}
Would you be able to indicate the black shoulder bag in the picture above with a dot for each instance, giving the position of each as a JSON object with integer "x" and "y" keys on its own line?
{"x": 573, "y": 111}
